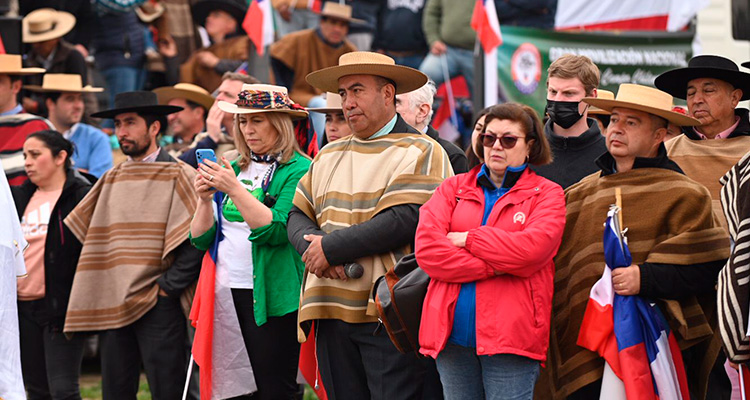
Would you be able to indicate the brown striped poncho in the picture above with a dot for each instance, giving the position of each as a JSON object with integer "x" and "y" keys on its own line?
{"x": 129, "y": 223}
{"x": 349, "y": 182}
{"x": 706, "y": 161}
{"x": 669, "y": 220}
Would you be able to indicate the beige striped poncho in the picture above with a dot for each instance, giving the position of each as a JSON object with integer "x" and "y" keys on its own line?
{"x": 706, "y": 162}
{"x": 348, "y": 183}
{"x": 669, "y": 220}
{"x": 129, "y": 223}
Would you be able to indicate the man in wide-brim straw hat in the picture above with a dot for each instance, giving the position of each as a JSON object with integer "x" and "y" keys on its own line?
{"x": 63, "y": 98}
{"x": 359, "y": 203}
{"x": 136, "y": 257}
{"x": 15, "y": 124}
{"x": 185, "y": 125}
{"x": 677, "y": 244}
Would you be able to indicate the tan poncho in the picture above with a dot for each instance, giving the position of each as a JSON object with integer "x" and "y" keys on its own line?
{"x": 669, "y": 220}
{"x": 706, "y": 162}
{"x": 349, "y": 182}
{"x": 129, "y": 223}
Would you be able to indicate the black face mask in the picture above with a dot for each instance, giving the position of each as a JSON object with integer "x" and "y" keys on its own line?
{"x": 563, "y": 113}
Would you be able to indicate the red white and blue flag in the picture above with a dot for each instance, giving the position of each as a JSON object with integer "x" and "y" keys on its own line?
{"x": 218, "y": 346}
{"x": 315, "y": 5}
{"x": 484, "y": 21}
{"x": 630, "y": 333}
{"x": 258, "y": 24}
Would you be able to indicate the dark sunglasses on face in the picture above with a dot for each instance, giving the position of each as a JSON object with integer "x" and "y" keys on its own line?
{"x": 507, "y": 141}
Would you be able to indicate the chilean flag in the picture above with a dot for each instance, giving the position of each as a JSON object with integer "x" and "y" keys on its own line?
{"x": 258, "y": 24}
{"x": 315, "y": 5}
{"x": 629, "y": 332}
{"x": 218, "y": 346}
{"x": 484, "y": 21}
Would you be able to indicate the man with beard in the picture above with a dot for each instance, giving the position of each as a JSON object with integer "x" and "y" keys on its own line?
{"x": 575, "y": 139}
{"x": 136, "y": 262}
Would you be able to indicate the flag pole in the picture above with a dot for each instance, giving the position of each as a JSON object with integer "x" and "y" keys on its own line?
{"x": 187, "y": 379}
{"x": 618, "y": 202}
{"x": 449, "y": 89}
{"x": 743, "y": 395}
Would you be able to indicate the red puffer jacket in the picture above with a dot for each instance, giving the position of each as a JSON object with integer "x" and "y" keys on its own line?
{"x": 520, "y": 239}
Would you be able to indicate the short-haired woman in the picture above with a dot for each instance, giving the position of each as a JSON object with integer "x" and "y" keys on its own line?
{"x": 487, "y": 239}
{"x": 51, "y": 362}
{"x": 261, "y": 267}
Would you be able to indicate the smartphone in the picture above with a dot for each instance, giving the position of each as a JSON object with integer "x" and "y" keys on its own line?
{"x": 205, "y": 154}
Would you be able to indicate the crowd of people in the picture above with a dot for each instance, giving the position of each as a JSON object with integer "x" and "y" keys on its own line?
{"x": 227, "y": 205}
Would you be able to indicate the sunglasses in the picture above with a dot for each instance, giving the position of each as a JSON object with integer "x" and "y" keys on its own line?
{"x": 506, "y": 141}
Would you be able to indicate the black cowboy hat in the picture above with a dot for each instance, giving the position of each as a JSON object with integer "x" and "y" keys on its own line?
{"x": 675, "y": 81}
{"x": 141, "y": 102}
{"x": 746, "y": 64}
{"x": 235, "y": 8}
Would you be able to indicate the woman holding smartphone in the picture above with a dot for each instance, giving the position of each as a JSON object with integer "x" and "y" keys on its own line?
{"x": 254, "y": 256}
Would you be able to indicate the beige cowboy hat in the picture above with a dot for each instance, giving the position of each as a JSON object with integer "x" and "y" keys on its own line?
{"x": 333, "y": 104}
{"x": 332, "y": 9}
{"x": 64, "y": 83}
{"x": 601, "y": 94}
{"x": 367, "y": 63}
{"x": 646, "y": 99}
{"x": 261, "y": 98}
{"x": 149, "y": 12}
{"x": 186, "y": 91}
{"x": 12, "y": 64}
{"x": 46, "y": 24}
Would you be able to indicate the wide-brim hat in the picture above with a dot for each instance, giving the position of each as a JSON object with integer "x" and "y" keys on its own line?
{"x": 141, "y": 102}
{"x": 333, "y": 104}
{"x": 601, "y": 94}
{"x": 63, "y": 83}
{"x": 343, "y": 12}
{"x": 261, "y": 98}
{"x": 235, "y": 8}
{"x": 186, "y": 91}
{"x": 646, "y": 99}
{"x": 149, "y": 12}
{"x": 46, "y": 24}
{"x": 12, "y": 64}
{"x": 367, "y": 63}
{"x": 675, "y": 81}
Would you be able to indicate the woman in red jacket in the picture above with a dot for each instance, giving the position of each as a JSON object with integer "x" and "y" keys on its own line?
{"x": 487, "y": 239}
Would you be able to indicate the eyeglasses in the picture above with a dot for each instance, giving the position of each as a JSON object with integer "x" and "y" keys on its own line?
{"x": 507, "y": 141}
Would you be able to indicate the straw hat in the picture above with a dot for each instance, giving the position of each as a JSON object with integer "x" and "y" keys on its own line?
{"x": 149, "y": 12}
{"x": 367, "y": 63}
{"x": 140, "y": 101}
{"x": 260, "y": 98}
{"x": 332, "y": 9}
{"x": 46, "y": 24}
{"x": 675, "y": 81}
{"x": 186, "y": 91}
{"x": 12, "y": 64}
{"x": 646, "y": 99}
{"x": 64, "y": 83}
{"x": 601, "y": 94}
{"x": 333, "y": 104}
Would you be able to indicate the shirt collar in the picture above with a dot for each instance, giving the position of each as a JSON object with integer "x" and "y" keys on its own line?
{"x": 724, "y": 134}
{"x": 149, "y": 158}
{"x": 69, "y": 133}
{"x": 16, "y": 110}
{"x": 385, "y": 129}
{"x": 511, "y": 176}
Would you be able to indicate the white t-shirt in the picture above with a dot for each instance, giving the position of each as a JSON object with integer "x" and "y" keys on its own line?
{"x": 235, "y": 251}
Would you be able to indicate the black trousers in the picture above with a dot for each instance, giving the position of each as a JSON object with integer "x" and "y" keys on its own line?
{"x": 355, "y": 364}
{"x": 50, "y": 363}
{"x": 272, "y": 347}
{"x": 158, "y": 341}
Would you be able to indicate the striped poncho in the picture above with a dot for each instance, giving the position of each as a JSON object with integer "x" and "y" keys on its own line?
{"x": 350, "y": 182}
{"x": 129, "y": 224}
{"x": 669, "y": 220}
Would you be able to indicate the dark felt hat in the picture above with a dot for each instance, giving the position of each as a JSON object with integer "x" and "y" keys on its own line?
{"x": 235, "y": 8}
{"x": 141, "y": 102}
{"x": 675, "y": 81}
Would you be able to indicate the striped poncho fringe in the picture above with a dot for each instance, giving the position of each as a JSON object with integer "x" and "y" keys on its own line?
{"x": 669, "y": 220}
{"x": 733, "y": 300}
{"x": 350, "y": 182}
{"x": 706, "y": 161}
{"x": 129, "y": 223}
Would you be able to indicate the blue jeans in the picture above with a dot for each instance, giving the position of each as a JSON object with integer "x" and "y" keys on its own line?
{"x": 465, "y": 375}
{"x": 301, "y": 19}
{"x": 318, "y": 119}
{"x": 122, "y": 79}
{"x": 413, "y": 61}
{"x": 459, "y": 62}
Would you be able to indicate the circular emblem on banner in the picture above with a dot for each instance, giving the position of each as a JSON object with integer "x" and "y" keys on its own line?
{"x": 526, "y": 68}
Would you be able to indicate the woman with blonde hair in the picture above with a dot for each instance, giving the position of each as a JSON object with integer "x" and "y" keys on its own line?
{"x": 253, "y": 195}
